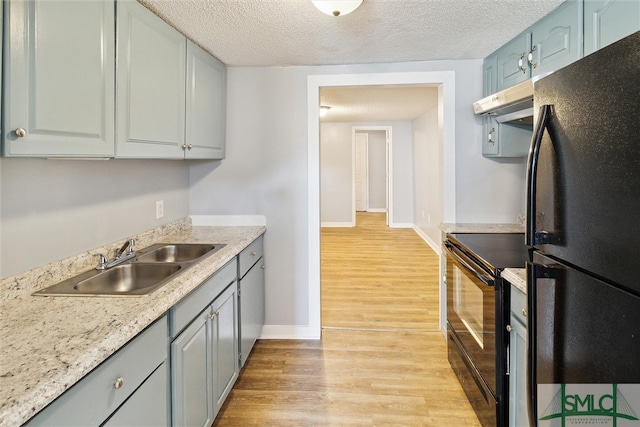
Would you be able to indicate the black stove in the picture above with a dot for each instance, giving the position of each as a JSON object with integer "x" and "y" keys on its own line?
{"x": 494, "y": 251}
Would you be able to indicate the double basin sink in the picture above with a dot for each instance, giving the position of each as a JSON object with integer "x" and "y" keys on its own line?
{"x": 151, "y": 268}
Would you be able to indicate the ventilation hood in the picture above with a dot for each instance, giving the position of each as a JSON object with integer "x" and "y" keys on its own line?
{"x": 516, "y": 98}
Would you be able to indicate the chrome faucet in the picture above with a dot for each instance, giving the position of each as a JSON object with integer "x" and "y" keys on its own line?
{"x": 119, "y": 256}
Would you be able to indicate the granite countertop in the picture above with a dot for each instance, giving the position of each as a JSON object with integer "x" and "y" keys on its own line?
{"x": 517, "y": 277}
{"x": 481, "y": 228}
{"x": 49, "y": 343}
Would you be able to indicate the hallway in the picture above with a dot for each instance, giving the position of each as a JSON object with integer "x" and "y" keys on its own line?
{"x": 381, "y": 360}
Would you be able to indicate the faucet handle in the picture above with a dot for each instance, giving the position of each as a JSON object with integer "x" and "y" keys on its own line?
{"x": 132, "y": 243}
{"x": 102, "y": 262}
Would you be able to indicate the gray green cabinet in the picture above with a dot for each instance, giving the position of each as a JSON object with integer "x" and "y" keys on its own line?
{"x": 59, "y": 65}
{"x": 204, "y": 351}
{"x": 133, "y": 380}
{"x": 490, "y": 75}
{"x": 549, "y": 44}
{"x": 150, "y": 101}
{"x": 607, "y": 21}
{"x": 505, "y": 139}
{"x": 512, "y": 61}
{"x": 251, "y": 296}
{"x": 206, "y": 105}
{"x": 518, "y": 360}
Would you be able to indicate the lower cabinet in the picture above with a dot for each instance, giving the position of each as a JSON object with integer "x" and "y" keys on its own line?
{"x": 128, "y": 389}
{"x": 518, "y": 360}
{"x": 505, "y": 139}
{"x": 251, "y": 296}
{"x": 205, "y": 354}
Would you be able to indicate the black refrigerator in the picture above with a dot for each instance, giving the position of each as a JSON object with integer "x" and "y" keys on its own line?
{"x": 583, "y": 230}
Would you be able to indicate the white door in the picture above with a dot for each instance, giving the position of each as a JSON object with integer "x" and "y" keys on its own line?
{"x": 361, "y": 144}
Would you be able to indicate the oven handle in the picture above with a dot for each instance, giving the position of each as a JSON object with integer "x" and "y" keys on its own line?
{"x": 467, "y": 263}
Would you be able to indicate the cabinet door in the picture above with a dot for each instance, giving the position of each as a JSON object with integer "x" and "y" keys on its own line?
{"x": 490, "y": 75}
{"x": 225, "y": 344}
{"x": 59, "y": 78}
{"x": 607, "y": 21}
{"x": 490, "y": 136}
{"x": 557, "y": 39}
{"x": 512, "y": 61}
{"x": 147, "y": 406}
{"x": 206, "y": 105}
{"x": 518, "y": 375}
{"x": 192, "y": 393}
{"x": 251, "y": 309}
{"x": 151, "y": 85}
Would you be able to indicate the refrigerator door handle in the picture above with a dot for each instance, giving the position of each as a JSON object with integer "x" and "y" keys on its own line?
{"x": 531, "y": 237}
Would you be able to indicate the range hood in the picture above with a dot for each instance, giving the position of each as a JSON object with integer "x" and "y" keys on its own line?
{"x": 517, "y": 98}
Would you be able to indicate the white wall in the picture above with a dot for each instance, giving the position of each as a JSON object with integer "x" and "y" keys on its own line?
{"x": 336, "y": 162}
{"x": 52, "y": 209}
{"x": 428, "y": 175}
{"x": 265, "y": 171}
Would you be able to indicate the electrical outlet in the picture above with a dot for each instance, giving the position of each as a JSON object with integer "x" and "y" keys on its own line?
{"x": 159, "y": 209}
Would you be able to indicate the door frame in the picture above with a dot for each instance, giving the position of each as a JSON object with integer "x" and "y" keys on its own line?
{"x": 445, "y": 81}
{"x": 388, "y": 171}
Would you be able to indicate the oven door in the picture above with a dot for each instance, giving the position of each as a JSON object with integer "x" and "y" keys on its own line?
{"x": 471, "y": 311}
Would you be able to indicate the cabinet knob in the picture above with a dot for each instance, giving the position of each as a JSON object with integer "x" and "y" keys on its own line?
{"x": 509, "y": 328}
{"x": 524, "y": 312}
{"x": 253, "y": 253}
{"x": 118, "y": 383}
{"x": 521, "y": 63}
{"x": 490, "y": 136}
{"x": 263, "y": 266}
{"x": 530, "y": 58}
{"x": 21, "y": 133}
{"x": 189, "y": 147}
{"x": 212, "y": 316}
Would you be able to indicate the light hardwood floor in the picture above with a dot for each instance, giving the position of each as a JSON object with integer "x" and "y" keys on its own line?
{"x": 381, "y": 360}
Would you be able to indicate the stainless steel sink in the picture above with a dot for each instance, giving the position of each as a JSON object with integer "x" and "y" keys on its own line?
{"x": 122, "y": 280}
{"x": 151, "y": 268}
{"x": 176, "y": 252}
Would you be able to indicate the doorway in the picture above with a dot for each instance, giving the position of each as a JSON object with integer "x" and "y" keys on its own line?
{"x": 445, "y": 81}
{"x": 372, "y": 171}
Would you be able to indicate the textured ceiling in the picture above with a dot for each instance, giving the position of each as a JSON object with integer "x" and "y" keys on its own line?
{"x": 294, "y": 32}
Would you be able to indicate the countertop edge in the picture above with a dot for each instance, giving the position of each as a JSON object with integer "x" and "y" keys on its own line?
{"x": 517, "y": 277}
{"x": 481, "y": 228}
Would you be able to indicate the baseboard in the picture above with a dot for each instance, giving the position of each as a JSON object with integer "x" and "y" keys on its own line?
{"x": 427, "y": 239}
{"x": 289, "y": 332}
{"x": 229, "y": 220}
{"x": 336, "y": 224}
{"x": 401, "y": 225}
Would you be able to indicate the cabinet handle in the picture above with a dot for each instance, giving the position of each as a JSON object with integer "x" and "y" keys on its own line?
{"x": 524, "y": 312}
{"x": 263, "y": 266}
{"x": 217, "y": 312}
{"x": 521, "y": 63}
{"x": 212, "y": 316}
{"x": 530, "y": 57}
{"x": 118, "y": 383}
{"x": 21, "y": 133}
{"x": 509, "y": 328}
{"x": 490, "y": 136}
{"x": 189, "y": 147}
{"x": 253, "y": 253}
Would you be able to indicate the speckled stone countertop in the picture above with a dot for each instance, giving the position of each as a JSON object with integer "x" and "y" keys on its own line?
{"x": 517, "y": 277}
{"x": 481, "y": 228}
{"x": 49, "y": 343}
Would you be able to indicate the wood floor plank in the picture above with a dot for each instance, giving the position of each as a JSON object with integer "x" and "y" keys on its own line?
{"x": 381, "y": 360}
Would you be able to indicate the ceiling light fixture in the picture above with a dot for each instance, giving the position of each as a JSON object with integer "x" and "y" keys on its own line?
{"x": 336, "y": 7}
{"x": 324, "y": 109}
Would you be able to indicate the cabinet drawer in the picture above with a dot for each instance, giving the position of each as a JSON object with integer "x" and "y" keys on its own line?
{"x": 250, "y": 255}
{"x": 518, "y": 305}
{"x": 95, "y": 397}
{"x": 183, "y": 313}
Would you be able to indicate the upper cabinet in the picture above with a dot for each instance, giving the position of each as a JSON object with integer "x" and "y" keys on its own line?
{"x": 551, "y": 43}
{"x": 151, "y": 85}
{"x": 490, "y": 76}
{"x": 60, "y": 94}
{"x": 59, "y": 64}
{"x": 206, "y": 105}
{"x": 606, "y": 21}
